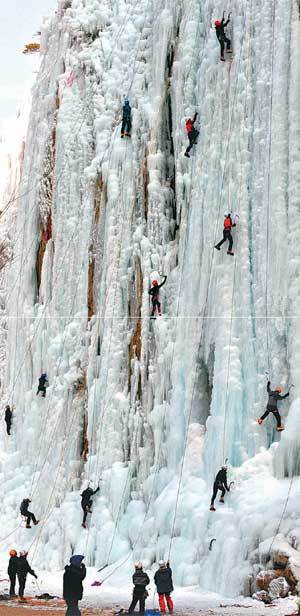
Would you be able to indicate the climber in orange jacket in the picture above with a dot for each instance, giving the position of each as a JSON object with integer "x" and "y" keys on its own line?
{"x": 228, "y": 224}
{"x": 192, "y": 133}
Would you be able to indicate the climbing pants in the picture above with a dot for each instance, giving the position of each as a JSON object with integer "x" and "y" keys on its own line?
{"x": 275, "y": 413}
{"x": 30, "y": 516}
{"x": 222, "y": 42}
{"x": 43, "y": 390}
{"x": 134, "y": 602}
{"x": 8, "y": 426}
{"x": 162, "y": 605}
{"x": 85, "y": 509}
{"x": 217, "y": 486}
{"x": 155, "y": 304}
{"x": 73, "y": 609}
{"x": 12, "y": 578}
{"x": 192, "y": 135}
{"x": 226, "y": 236}
{"x": 126, "y": 126}
{"x": 22, "y": 582}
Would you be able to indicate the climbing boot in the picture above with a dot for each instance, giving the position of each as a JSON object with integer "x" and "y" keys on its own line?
{"x": 83, "y": 525}
{"x": 280, "y": 428}
{"x": 222, "y": 59}
{"x": 222, "y": 499}
{"x": 217, "y": 247}
{"x": 228, "y": 50}
{"x": 212, "y": 508}
{"x": 187, "y": 154}
{"x": 229, "y": 252}
{"x": 260, "y": 421}
{"x": 36, "y": 522}
{"x": 28, "y": 526}
{"x": 122, "y": 135}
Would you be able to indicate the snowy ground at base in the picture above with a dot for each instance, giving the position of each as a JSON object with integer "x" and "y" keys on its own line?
{"x": 116, "y": 593}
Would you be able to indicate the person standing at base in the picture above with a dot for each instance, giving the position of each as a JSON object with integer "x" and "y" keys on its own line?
{"x": 23, "y": 568}
{"x": 12, "y": 571}
{"x": 164, "y": 586}
{"x": 140, "y": 580}
{"x": 74, "y": 575}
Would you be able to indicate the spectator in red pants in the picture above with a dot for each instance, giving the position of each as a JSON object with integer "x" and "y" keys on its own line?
{"x": 164, "y": 586}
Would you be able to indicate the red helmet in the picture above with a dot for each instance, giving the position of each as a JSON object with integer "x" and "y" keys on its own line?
{"x": 279, "y": 389}
{"x": 12, "y": 553}
{"x": 155, "y": 283}
{"x": 217, "y": 22}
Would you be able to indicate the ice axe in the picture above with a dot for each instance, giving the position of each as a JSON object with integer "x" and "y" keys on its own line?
{"x": 104, "y": 567}
{"x": 211, "y": 543}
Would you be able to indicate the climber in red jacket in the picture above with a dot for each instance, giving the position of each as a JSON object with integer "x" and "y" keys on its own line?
{"x": 154, "y": 292}
{"x": 192, "y": 133}
{"x": 228, "y": 224}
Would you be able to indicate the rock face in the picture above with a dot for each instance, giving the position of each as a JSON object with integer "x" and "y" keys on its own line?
{"x": 284, "y": 577}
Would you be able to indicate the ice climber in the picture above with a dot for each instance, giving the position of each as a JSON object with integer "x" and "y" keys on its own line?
{"x": 86, "y": 502}
{"x": 140, "y": 580}
{"x": 228, "y": 224}
{"x": 221, "y": 36}
{"x": 8, "y": 418}
{"x": 43, "y": 383}
{"x": 12, "y": 571}
{"x": 274, "y": 396}
{"x": 126, "y": 119}
{"x": 164, "y": 585}
{"x": 28, "y": 515}
{"x": 23, "y": 568}
{"x": 154, "y": 292}
{"x": 74, "y": 575}
{"x": 220, "y": 483}
{"x": 192, "y": 133}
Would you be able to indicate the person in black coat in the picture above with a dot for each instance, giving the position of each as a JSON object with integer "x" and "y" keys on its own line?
{"x": 28, "y": 514}
{"x": 8, "y": 418}
{"x": 74, "y": 575}
{"x": 23, "y": 568}
{"x": 220, "y": 483}
{"x": 164, "y": 585}
{"x": 86, "y": 502}
{"x": 140, "y": 580}
{"x": 43, "y": 383}
{"x": 154, "y": 292}
{"x": 126, "y": 119}
{"x": 274, "y": 396}
{"x": 221, "y": 36}
{"x": 12, "y": 571}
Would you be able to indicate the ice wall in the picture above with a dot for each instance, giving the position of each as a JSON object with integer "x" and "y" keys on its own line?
{"x": 154, "y": 407}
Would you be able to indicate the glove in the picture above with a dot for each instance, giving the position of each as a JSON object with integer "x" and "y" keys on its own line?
{"x": 35, "y": 575}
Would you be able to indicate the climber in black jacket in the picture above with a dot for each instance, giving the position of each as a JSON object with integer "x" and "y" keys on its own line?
{"x": 274, "y": 396}
{"x": 23, "y": 568}
{"x": 86, "y": 502}
{"x": 164, "y": 585}
{"x": 220, "y": 483}
{"x": 140, "y": 580}
{"x": 154, "y": 292}
{"x": 74, "y": 574}
{"x": 12, "y": 571}
{"x": 28, "y": 514}
{"x": 221, "y": 36}
{"x": 43, "y": 383}
{"x": 8, "y": 418}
